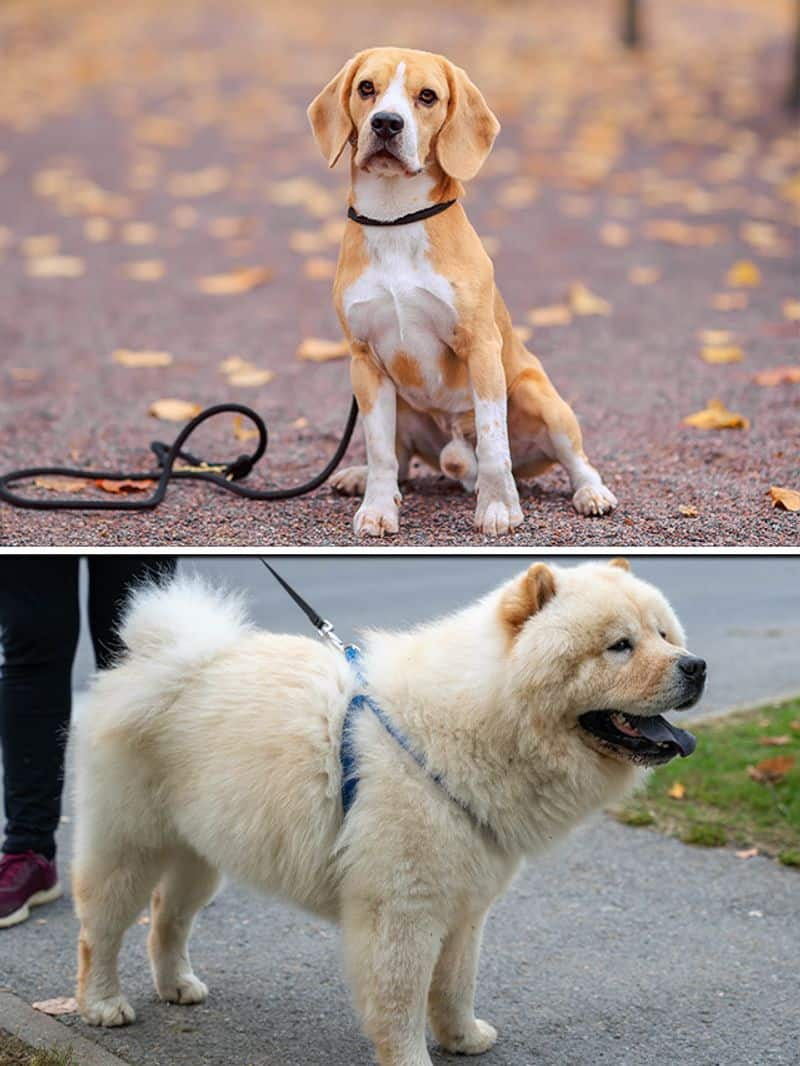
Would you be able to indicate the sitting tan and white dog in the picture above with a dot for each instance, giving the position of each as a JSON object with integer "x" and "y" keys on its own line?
{"x": 398, "y": 798}
{"x": 437, "y": 369}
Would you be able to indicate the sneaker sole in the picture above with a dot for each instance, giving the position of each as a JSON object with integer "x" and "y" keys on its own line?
{"x": 36, "y": 900}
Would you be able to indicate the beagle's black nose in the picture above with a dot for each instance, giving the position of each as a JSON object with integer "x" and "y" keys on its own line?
{"x": 693, "y": 667}
{"x": 387, "y": 124}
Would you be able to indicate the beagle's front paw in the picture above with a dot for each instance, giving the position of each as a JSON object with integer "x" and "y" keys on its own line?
{"x": 479, "y": 1037}
{"x": 498, "y": 509}
{"x": 378, "y": 514}
{"x": 594, "y": 500}
{"x": 352, "y": 481}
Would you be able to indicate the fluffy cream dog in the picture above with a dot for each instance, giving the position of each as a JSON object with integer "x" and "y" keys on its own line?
{"x": 214, "y": 747}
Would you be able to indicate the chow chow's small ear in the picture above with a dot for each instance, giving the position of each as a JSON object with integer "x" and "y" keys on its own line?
{"x": 526, "y": 596}
{"x": 620, "y": 564}
{"x": 329, "y": 113}
{"x": 468, "y": 133}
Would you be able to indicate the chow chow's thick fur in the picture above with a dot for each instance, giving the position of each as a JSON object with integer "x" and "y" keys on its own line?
{"x": 214, "y": 748}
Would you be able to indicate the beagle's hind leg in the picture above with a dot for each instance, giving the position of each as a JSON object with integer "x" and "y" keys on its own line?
{"x": 537, "y": 412}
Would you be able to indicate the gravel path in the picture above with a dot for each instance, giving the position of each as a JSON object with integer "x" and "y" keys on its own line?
{"x": 160, "y": 137}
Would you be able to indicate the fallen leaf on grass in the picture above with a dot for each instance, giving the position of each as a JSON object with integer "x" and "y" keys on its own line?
{"x": 785, "y": 499}
{"x": 55, "y": 266}
{"x": 584, "y": 302}
{"x": 770, "y": 771}
{"x": 779, "y": 741}
{"x": 688, "y": 511}
{"x": 778, "y": 375}
{"x": 144, "y": 270}
{"x": 747, "y": 853}
{"x": 643, "y": 275}
{"x": 677, "y": 791}
{"x": 174, "y": 410}
{"x": 317, "y": 350}
{"x": 744, "y": 274}
{"x": 729, "y": 301}
{"x": 555, "y": 315}
{"x": 729, "y": 353}
{"x": 717, "y": 416}
{"x": 791, "y": 310}
{"x": 123, "y": 487}
{"x": 795, "y": 725}
{"x": 55, "y": 483}
{"x": 244, "y": 279}
{"x": 126, "y": 357}
{"x": 59, "y": 1005}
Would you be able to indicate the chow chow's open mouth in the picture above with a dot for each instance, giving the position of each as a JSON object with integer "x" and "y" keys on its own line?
{"x": 644, "y": 739}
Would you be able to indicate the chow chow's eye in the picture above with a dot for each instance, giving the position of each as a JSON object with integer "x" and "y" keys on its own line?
{"x": 366, "y": 89}
{"x": 663, "y": 635}
{"x": 622, "y": 645}
{"x": 428, "y": 97}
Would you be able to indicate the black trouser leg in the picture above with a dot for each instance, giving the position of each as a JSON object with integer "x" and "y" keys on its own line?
{"x": 111, "y": 579}
{"x": 40, "y": 623}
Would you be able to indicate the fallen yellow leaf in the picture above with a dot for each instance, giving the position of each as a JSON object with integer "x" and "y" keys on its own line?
{"x": 250, "y": 378}
{"x": 317, "y": 350}
{"x": 233, "y": 364}
{"x": 126, "y": 357}
{"x": 244, "y": 279}
{"x": 555, "y": 315}
{"x": 785, "y": 499}
{"x": 775, "y": 741}
{"x": 747, "y": 853}
{"x": 174, "y": 410}
{"x": 716, "y": 416}
{"x": 60, "y": 484}
{"x": 56, "y": 266}
{"x": 144, "y": 270}
{"x": 744, "y": 274}
{"x": 677, "y": 791}
{"x": 688, "y": 511}
{"x": 778, "y": 375}
{"x": 60, "y": 1005}
{"x": 716, "y": 336}
{"x": 240, "y": 430}
{"x": 770, "y": 771}
{"x": 728, "y": 354}
{"x": 124, "y": 486}
{"x": 584, "y": 302}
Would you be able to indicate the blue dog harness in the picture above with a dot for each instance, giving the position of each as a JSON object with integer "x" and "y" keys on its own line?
{"x": 348, "y": 755}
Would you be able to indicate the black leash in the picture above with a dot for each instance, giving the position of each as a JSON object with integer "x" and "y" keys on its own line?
{"x": 224, "y": 475}
{"x": 323, "y": 627}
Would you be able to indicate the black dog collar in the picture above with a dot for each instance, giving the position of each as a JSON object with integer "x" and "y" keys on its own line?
{"x": 415, "y": 216}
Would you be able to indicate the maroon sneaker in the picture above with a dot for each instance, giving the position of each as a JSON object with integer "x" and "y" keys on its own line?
{"x": 26, "y": 880}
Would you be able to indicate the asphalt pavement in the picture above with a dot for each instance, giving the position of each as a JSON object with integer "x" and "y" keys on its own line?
{"x": 620, "y": 947}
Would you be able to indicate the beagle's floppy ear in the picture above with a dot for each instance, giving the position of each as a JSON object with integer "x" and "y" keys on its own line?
{"x": 329, "y": 113}
{"x": 528, "y": 594}
{"x": 468, "y": 133}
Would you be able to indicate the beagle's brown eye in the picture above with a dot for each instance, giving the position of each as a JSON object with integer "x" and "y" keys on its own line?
{"x": 428, "y": 97}
{"x": 366, "y": 89}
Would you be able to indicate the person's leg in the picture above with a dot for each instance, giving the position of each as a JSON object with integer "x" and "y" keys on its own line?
{"x": 39, "y": 625}
{"x": 111, "y": 579}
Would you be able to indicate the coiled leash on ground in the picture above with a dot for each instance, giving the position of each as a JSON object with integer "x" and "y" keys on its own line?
{"x": 225, "y": 475}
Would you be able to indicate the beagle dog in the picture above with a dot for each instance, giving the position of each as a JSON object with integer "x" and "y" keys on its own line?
{"x": 437, "y": 370}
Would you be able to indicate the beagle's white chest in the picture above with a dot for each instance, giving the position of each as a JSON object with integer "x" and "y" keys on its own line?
{"x": 401, "y": 306}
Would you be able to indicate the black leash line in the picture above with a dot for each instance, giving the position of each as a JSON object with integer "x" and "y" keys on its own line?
{"x": 322, "y": 626}
{"x": 225, "y": 475}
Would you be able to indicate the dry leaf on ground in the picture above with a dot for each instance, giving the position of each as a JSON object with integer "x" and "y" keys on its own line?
{"x": 250, "y": 378}
{"x": 644, "y": 275}
{"x": 242, "y": 430}
{"x": 97, "y": 229}
{"x": 677, "y": 791}
{"x": 169, "y": 410}
{"x": 317, "y": 350}
{"x": 139, "y": 233}
{"x": 299, "y": 423}
{"x": 729, "y": 353}
{"x": 39, "y": 246}
{"x": 145, "y": 358}
{"x": 244, "y": 279}
{"x": 744, "y": 274}
{"x": 785, "y": 499}
{"x": 584, "y": 302}
{"x": 716, "y": 337}
{"x": 770, "y": 771}
{"x": 56, "y": 483}
{"x": 55, "y": 266}
{"x": 779, "y": 741}
{"x": 123, "y": 487}
{"x": 555, "y": 315}
{"x": 25, "y": 373}
{"x": 59, "y": 1005}
{"x": 717, "y": 416}
{"x": 778, "y": 375}
{"x": 791, "y": 310}
{"x": 615, "y": 235}
{"x": 144, "y": 270}
{"x": 688, "y": 511}
{"x": 747, "y": 853}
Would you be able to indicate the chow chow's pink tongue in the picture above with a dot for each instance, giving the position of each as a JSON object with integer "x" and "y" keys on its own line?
{"x": 659, "y": 730}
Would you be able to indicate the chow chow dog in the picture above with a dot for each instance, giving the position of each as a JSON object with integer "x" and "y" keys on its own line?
{"x": 213, "y": 747}
{"x": 436, "y": 367}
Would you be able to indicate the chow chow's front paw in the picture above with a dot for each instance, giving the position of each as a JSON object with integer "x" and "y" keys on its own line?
{"x": 479, "y": 1037}
{"x": 109, "y": 1013}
